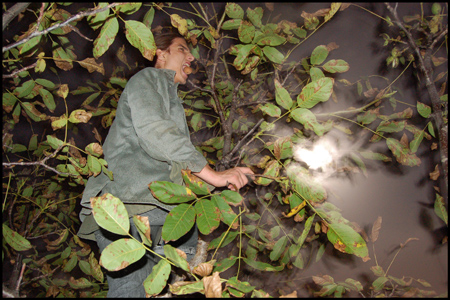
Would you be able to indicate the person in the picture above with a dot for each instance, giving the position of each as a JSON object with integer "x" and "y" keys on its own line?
{"x": 149, "y": 141}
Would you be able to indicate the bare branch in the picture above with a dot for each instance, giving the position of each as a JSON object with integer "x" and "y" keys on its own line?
{"x": 59, "y": 25}
{"x": 11, "y": 13}
{"x": 16, "y": 73}
{"x": 39, "y": 163}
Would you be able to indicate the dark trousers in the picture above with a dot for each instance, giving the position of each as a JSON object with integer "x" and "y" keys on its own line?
{"x": 128, "y": 282}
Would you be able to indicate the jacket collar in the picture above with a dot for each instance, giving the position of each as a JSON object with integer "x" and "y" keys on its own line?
{"x": 170, "y": 74}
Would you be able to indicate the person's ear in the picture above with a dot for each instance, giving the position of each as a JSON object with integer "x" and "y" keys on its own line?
{"x": 161, "y": 54}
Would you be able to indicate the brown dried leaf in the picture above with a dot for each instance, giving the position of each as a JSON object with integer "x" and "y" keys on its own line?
{"x": 269, "y": 5}
{"x": 404, "y": 141}
{"x": 97, "y": 135}
{"x": 376, "y": 229}
{"x": 435, "y": 174}
{"x": 332, "y": 46}
{"x": 91, "y": 65}
{"x": 291, "y": 295}
{"x": 213, "y": 286}
{"x": 434, "y": 146}
{"x": 203, "y": 269}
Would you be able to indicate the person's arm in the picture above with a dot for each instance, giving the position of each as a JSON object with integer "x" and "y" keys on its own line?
{"x": 234, "y": 178}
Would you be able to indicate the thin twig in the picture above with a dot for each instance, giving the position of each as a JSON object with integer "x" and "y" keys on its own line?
{"x": 40, "y": 163}
{"x": 59, "y": 25}
{"x": 16, "y": 73}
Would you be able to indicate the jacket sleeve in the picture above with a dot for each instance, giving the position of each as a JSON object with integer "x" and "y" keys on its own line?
{"x": 157, "y": 133}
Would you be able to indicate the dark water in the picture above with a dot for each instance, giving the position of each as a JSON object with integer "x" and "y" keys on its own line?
{"x": 403, "y": 196}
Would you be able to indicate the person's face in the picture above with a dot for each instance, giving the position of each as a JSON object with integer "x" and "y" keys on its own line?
{"x": 176, "y": 58}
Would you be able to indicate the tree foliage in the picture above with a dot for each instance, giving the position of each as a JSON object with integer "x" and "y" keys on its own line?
{"x": 245, "y": 85}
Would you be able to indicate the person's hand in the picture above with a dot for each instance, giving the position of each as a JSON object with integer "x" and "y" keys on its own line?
{"x": 234, "y": 178}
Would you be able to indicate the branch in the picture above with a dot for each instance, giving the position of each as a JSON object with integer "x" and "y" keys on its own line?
{"x": 11, "y": 13}
{"x": 40, "y": 163}
{"x": 241, "y": 142}
{"x": 65, "y": 23}
{"x": 427, "y": 69}
{"x": 16, "y": 73}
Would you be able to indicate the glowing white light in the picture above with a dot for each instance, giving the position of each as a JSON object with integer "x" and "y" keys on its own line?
{"x": 320, "y": 156}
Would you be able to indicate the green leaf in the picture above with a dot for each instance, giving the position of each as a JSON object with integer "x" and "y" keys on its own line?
{"x": 283, "y": 148}
{"x": 129, "y": 8}
{"x": 48, "y": 99}
{"x": 71, "y": 263}
{"x": 359, "y": 162}
{"x": 278, "y": 248}
{"x": 315, "y": 92}
{"x": 30, "y": 44}
{"x": 228, "y": 215}
{"x": 58, "y": 123}
{"x": 80, "y": 283}
{"x": 232, "y": 197}
{"x": 232, "y": 24}
{"x": 234, "y": 11}
{"x": 25, "y": 89}
{"x": 15, "y": 240}
{"x": 246, "y": 32}
{"x": 54, "y": 142}
{"x": 308, "y": 119}
{"x": 8, "y": 102}
{"x": 431, "y": 129}
{"x": 272, "y": 169}
{"x": 319, "y": 55}
{"x": 423, "y": 109}
{"x": 148, "y": 18}
{"x": 402, "y": 154}
{"x": 225, "y": 264}
{"x": 336, "y": 66}
{"x": 316, "y": 74}
{"x": 141, "y": 37}
{"x": 375, "y": 156}
{"x": 46, "y": 83}
{"x": 173, "y": 255}
{"x": 269, "y": 39}
{"x": 110, "y": 213}
{"x": 157, "y": 280}
{"x": 378, "y": 284}
{"x": 439, "y": 208}
{"x": 255, "y": 16}
{"x": 308, "y": 224}
{"x": 143, "y": 227}
{"x": 391, "y": 126}
{"x": 85, "y": 267}
{"x": 282, "y": 96}
{"x": 368, "y": 116}
{"x": 188, "y": 287}
{"x": 178, "y": 222}
{"x": 270, "y": 110}
{"x": 244, "y": 287}
{"x": 18, "y": 148}
{"x": 208, "y": 216}
{"x": 261, "y": 266}
{"x": 273, "y": 54}
{"x": 97, "y": 272}
{"x": 95, "y": 21}
{"x": 320, "y": 252}
{"x": 415, "y": 143}
{"x": 347, "y": 240}
{"x": 94, "y": 165}
{"x": 106, "y": 37}
{"x": 300, "y": 32}
{"x": 169, "y": 192}
{"x": 298, "y": 262}
{"x": 121, "y": 253}
{"x": 240, "y": 60}
{"x": 196, "y": 121}
{"x": 224, "y": 239}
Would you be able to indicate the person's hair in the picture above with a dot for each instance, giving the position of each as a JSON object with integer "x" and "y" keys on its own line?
{"x": 163, "y": 42}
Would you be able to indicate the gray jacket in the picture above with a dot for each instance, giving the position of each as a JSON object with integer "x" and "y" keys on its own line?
{"x": 148, "y": 141}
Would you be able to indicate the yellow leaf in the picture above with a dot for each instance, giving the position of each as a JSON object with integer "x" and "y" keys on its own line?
{"x": 91, "y": 65}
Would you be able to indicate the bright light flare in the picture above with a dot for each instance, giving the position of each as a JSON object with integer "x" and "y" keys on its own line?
{"x": 319, "y": 157}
